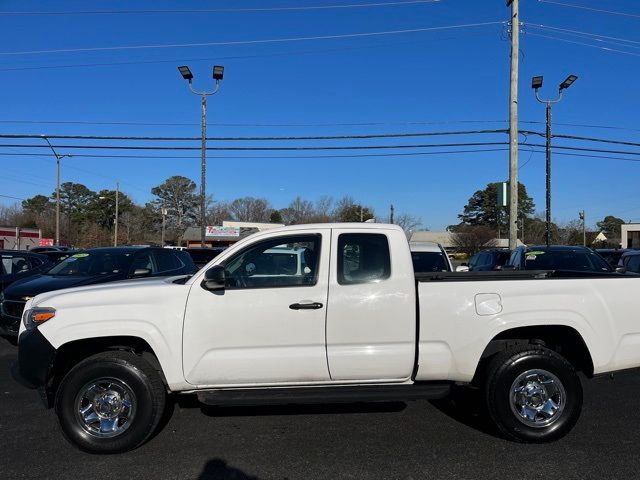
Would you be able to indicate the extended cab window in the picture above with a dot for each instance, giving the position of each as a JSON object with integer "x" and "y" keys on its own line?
{"x": 277, "y": 262}
{"x": 363, "y": 258}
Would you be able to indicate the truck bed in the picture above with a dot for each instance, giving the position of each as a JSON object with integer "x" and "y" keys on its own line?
{"x": 514, "y": 275}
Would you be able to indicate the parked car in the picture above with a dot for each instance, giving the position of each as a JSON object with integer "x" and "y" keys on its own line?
{"x": 202, "y": 256}
{"x": 612, "y": 255}
{"x": 630, "y": 261}
{"x": 52, "y": 248}
{"x": 488, "y": 260}
{"x": 90, "y": 267}
{"x": 355, "y": 324}
{"x": 17, "y": 265}
{"x": 57, "y": 256}
{"x": 557, "y": 257}
{"x": 429, "y": 257}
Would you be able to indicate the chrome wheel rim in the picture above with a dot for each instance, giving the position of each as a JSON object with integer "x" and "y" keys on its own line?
{"x": 105, "y": 407}
{"x": 537, "y": 398}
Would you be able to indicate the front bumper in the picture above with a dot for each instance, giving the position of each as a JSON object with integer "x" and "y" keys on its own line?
{"x": 35, "y": 359}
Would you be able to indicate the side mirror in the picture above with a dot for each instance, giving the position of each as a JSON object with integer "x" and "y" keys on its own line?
{"x": 462, "y": 268}
{"x": 214, "y": 278}
{"x": 621, "y": 270}
{"x": 141, "y": 272}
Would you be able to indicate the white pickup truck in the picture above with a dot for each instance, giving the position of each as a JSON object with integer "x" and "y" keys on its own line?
{"x": 348, "y": 321}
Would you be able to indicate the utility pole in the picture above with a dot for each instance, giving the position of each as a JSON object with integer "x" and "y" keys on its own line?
{"x": 536, "y": 83}
{"x": 391, "y": 214}
{"x": 58, "y": 158}
{"x": 218, "y": 74}
{"x": 115, "y": 235}
{"x": 513, "y": 124}
{"x": 584, "y": 228}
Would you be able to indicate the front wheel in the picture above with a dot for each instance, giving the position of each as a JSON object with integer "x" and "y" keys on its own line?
{"x": 533, "y": 394}
{"x": 110, "y": 402}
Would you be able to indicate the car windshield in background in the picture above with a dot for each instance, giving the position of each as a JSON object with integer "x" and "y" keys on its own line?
{"x": 429, "y": 262}
{"x": 88, "y": 264}
{"x": 579, "y": 260}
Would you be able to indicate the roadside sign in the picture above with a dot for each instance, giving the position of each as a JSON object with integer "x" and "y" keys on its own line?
{"x": 46, "y": 242}
{"x": 503, "y": 194}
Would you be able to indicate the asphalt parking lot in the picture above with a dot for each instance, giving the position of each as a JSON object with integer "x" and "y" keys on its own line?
{"x": 365, "y": 441}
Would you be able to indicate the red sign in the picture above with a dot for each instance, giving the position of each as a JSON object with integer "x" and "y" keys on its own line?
{"x": 46, "y": 242}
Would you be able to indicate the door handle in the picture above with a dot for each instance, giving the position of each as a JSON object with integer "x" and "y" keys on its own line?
{"x": 305, "y": 306}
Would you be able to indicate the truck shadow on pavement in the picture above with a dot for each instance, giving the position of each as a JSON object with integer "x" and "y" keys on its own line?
{"x": 466, "y": 405}
{"x": 217, "y": 469}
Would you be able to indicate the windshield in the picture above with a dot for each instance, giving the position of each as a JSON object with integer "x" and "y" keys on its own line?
{"x": 86, "y": 264}
{"x": 565, "y": 260}
{"x": 429, "y": 262}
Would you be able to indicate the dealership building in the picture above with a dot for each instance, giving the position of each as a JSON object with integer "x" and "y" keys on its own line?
{"x": 16, "y": 238}
{"x": 224, "y": 235}
{"x": 630, "y": 235}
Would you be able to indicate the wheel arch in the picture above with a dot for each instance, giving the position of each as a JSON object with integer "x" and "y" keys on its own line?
{"x": 73, "y": 352}
{"x": 563, "y": 339}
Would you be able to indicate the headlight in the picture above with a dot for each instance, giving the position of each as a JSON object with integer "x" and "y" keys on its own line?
{"x": 37, "y": 316}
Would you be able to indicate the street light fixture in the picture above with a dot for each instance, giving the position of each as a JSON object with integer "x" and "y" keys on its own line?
{"x": 218, "y": 74}
{"x": 536, "y": 83}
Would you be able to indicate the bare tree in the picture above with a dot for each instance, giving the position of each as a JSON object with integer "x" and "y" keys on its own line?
{"x": 250, "y": 209}
{"x": 218, "y": 212}
{"x": 408, "y": 222}
{"x": 298, "y": 211}
{"x": 471, "y": 239}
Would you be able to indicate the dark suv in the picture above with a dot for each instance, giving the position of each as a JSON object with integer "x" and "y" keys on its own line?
{"x": 16, "y": 265}
{"x": 630, "y": 261}
{"x": 90, "y": 267}
{"x": 487, "y": 260}
{"x": 557, "y": 257}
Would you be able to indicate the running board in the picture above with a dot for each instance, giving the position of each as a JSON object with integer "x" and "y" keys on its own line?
{"x": 316, "y": 395}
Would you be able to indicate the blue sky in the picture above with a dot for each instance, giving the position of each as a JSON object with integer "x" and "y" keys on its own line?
{"x": 444, "y": 78}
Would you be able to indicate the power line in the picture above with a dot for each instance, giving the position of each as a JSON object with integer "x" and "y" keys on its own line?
{"x": 608, "y": 49}
{"x": 580, "y": 32}
{"x": 361, "y": 155}
{"x": 284, "y": 138}
{"x": 225, "y": 10}
{"x": 299, "y": 148}
{"x": 251, "y": 42}
{"x": 14, "y": 198}
{"x": 262, "y": 157}
{"x": 583, "y": 7}
{"x": 270, "y": 125}
{"x": 301, "y": 125}
{"x": 586, "y": 139}
{"x": 309, "y": 137}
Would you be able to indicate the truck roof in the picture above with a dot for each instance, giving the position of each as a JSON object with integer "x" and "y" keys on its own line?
{"x": 359, "y": 226}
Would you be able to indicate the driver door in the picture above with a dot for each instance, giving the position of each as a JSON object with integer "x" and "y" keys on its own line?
{"x": 268, "y": 325}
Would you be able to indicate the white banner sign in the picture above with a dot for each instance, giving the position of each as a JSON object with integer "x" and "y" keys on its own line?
{"x": 222, "y": 231}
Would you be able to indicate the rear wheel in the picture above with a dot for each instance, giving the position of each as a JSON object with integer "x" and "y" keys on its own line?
{"x": 533, "y": 394}
{"x": 110, "y": 402}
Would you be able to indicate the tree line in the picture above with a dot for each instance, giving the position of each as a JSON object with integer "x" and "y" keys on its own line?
{"x": 87, "y": 217}
{"x": 483, "y": 220}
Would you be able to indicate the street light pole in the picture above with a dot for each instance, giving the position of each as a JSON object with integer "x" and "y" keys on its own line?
{"x": 584, "y": 228}
{"x": 58, "y": 158}
{"x": 218, "y": 74}
{"x": 536, "y": 83}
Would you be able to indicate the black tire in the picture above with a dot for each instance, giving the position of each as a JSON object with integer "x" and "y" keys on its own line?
{"x": 505, "y": 406}
{"x": 145, "y": 393}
